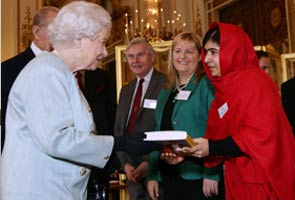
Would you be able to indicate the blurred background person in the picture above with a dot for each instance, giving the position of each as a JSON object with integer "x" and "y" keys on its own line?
{"x": 135, "y": 111}
{"x": 263, "y": 60}
{"x": 187, "y": 179}
{"x": 12, "y": 67}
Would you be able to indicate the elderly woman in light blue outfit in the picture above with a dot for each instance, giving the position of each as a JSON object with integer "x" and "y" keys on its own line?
{"x": 51, "y": 139}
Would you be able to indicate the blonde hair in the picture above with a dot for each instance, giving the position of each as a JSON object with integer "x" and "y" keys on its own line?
{"x": 172, "y": 73}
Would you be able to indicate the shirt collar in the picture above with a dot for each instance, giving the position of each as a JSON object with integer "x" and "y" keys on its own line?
{"x": 148, "y": 76}
{"x": 36, "y": 50}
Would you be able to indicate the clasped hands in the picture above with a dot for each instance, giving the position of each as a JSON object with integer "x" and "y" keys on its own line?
{"x": 173, "y": 154}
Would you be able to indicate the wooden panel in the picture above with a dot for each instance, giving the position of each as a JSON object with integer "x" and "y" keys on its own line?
{"x": 241, "y": 14}
{"x": 264, "y": 21}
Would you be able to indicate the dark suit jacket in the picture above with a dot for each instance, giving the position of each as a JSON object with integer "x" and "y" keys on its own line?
{"x": 288, "y": 99}
{"x": 100, "y": 92}
{"x": 9, "y": 71}
{"x": 145, "y": 119}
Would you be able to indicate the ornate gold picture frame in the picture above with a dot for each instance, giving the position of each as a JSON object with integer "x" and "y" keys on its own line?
{"x": 123, "y": 73}
{"x": 288, "y": 66}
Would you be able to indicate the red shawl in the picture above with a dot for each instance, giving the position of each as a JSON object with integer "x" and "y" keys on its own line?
{"x": 256, "y": 121}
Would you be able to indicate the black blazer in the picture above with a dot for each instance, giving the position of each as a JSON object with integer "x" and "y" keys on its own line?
{"x": 9, "y": 71}
{"x": 100, "y": 92}
{"x": 288, "y": 100}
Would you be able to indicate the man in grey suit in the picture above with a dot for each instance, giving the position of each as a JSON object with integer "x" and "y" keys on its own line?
{"x": 141, "y": 58}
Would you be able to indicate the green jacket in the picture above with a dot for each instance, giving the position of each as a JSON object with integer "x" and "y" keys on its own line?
{"x": 190, "y": 116}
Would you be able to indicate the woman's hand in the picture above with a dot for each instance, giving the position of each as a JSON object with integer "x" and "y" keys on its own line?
{"x": 169, "y": 155}
{"x": 153, "y": 189}
{"x": 210, "y": 187}
{"x": 201, "y": 149}
{"x": 171, "y": 158}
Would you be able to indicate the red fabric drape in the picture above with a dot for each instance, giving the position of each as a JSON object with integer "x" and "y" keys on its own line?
{"x": 256, "y": 121}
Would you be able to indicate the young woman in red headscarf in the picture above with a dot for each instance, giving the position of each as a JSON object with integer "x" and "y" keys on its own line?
{"x": 247, "y": 127}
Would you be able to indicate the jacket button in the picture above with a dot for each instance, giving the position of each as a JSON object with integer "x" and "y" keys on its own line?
{"x": 89, "y": 109}
{"x": 106, "y": 157}
{"x": 82, "y": 171}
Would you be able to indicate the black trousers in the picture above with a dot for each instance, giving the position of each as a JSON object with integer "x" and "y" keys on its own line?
{"x": 174, "y": 187}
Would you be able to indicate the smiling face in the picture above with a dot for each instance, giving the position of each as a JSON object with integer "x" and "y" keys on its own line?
{"x": 212, "y": 58}
{"x": 140, "y": 59}
{"x": 93, "y": 51}
{"x": 185, "y": 57}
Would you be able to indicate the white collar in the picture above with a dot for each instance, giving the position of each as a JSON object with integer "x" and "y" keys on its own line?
{"x": 148, "y": 76}
{"x": 36, "y": 50}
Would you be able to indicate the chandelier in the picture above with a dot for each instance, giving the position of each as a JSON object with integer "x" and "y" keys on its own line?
{"x": 154, "y": 27}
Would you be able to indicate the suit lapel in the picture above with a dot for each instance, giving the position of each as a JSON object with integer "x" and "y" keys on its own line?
{"x": 153, "y": 83}
{"x": 191, "y": 86}
{"x": 128, "y": 100}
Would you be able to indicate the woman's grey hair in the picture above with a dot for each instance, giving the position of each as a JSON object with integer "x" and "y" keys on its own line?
{"x": 77, "y": 20}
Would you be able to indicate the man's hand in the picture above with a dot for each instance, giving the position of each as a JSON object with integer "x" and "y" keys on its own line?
{"x": 141, "y": 171}
{"x": 129, "y": 169}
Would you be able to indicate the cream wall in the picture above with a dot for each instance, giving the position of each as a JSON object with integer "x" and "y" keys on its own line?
{"x": 9, "y": 30}
{"x": 13, "y": 16}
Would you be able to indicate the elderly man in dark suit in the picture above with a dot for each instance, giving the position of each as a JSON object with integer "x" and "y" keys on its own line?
{"x": 135, "y": 111}
{"x": 12, "y": 67}
{"x": 288, "y": 99}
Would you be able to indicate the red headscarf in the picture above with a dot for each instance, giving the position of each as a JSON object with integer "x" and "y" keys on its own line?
{"x": 255, "y": 120}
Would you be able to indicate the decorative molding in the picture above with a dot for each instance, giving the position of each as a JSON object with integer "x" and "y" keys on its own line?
{"x": 26, "y": 29}
{"x": 26, "y": 11}
{"x": 290, "y": 13}
{"x": 198, "y": 22}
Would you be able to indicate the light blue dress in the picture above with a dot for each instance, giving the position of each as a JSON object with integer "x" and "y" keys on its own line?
{"x": 50, "y": 144}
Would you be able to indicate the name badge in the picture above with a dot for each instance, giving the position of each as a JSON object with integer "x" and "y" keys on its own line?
{"x": 222, "y": 110}
{"x": 183, "y": 95}
{"x": 150, "y": 103}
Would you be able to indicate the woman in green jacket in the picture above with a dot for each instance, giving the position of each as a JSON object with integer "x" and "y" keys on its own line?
{"x": 183, "y": 105}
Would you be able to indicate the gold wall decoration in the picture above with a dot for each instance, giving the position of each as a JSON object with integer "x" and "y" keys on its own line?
{"x": 26, "y": 30}
{"x": 26, "y": 12}
{"x": 123, "y": 73}
{"x": 290, "y": 9}
{"x": 288, "y": 66}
